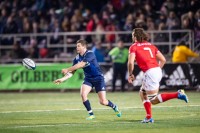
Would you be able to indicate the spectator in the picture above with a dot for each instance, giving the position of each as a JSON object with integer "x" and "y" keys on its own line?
{"x": 197, "y": 33}
{"x": 161, "y": 37}
{"x": 167, "y": 6}
{"x": 186, "y": 24}
{"x": 161, "y": 19}
{"x": 129, "y": 24}
{"x": 150, "y": 24}
{"x": 99, "y": 30}
{"x": 172, "y": 21}
{"x": 18, "y": 52}
{"x": 3, "y": 19}
{"x": 188, "y": 20}
{"x": 9, "y": 28}
{"x": 43, "y": 50}
{"x": 140, "y": 24}
{"x": 119, "y": 55}
{"x": 182, "y": 53}
{"x": 55, "y": 29}
{"x": 181, "y": 7}
{"x": 110, "y": 38}
{"x": 34, "y": 50}
{"x": 65, "y": 24}
{"x": 41, "y": 16}
{"x": 107, "y": 50}
{"x": 99, "y": 52}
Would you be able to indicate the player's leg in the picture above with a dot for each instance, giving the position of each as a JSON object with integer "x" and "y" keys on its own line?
{"x": 85, "y": 90}
{"x": 115, "y": 74}
{"x": 123, "y": 77}
{"x": 101, "y": 91}
{"x": 104, "y": 101}
{"x": 150, "y": 85}
{"x": 163, "y": 97}
{"x": 147, "y": 104}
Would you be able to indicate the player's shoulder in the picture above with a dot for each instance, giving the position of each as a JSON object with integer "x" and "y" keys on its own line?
{"x": 148, "y": 44}
{"x": 133, "y": 45}
{"x": 89, "y": 52}
{"x": 183, "y": 47}
{"x": 77, "y": 57}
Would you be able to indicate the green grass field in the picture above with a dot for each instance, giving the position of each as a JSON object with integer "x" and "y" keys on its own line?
{"x": 64, "y": 113}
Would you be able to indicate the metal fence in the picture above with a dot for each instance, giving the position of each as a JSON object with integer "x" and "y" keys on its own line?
{"x": 165, "y": 40}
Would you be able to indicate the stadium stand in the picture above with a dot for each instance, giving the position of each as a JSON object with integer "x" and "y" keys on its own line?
{"x": 45, "y": 29}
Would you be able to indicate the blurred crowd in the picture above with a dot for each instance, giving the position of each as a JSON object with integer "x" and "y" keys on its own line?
{"x": 42, "y": 16}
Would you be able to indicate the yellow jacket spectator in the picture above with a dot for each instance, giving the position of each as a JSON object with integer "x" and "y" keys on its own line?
{"x": 182, "y": 53}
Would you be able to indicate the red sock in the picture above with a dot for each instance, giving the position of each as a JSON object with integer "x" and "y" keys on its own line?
{"x": 168, "y": 96}
{"x": 147, "y": 106}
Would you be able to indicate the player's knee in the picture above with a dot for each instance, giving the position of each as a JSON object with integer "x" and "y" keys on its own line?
{"x": 154, "y": 101}
{"x": 84, "y": 96}
{"x": 103, "y": 102}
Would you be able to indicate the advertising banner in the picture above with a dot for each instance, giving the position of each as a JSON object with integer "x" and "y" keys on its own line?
{"x": 174, "y": 76}
{"x": 15, "y": 77}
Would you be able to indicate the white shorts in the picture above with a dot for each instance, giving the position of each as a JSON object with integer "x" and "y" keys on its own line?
{"x": 151, "y": 79}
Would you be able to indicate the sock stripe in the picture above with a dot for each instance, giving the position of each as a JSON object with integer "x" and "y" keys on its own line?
{"x": 90, "y": 111}
{"x": 160, "y": 98}
{"x": 146, "y": 101}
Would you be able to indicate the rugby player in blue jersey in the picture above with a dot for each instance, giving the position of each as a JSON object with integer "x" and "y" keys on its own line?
{"x": 93, "y": 78}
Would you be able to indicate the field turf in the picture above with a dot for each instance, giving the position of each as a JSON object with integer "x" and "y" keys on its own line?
{"x": 65, "y": 113}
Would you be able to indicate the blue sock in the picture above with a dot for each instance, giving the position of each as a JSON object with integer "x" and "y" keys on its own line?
{"x": 88, "y": 107}
{"x": 110, "y": 104}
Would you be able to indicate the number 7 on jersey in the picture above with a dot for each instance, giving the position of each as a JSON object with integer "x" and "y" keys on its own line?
{"x": 150, "y": 52}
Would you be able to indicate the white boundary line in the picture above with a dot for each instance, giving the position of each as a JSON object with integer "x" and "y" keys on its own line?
{"x": 32, "y": 126}
{"x": 124, "y": 108}
{"x": 53, "y": 125}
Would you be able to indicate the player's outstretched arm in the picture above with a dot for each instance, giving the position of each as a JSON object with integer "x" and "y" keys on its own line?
{"x": 74, "y": 68}
{"x": 67, "y": 76}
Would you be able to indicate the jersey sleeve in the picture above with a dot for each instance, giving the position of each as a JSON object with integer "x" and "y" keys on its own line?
{"x": 74, "y": 62}
{"x": 189, "y": 52}
{"x": 156, "y": 50}
{"x": 132, "y": 49}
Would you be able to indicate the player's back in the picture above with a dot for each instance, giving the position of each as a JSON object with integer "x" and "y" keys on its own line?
{"x": 145, "y": 53}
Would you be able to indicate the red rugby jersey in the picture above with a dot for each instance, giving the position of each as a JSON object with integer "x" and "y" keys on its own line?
{"x": 145, "y": 55}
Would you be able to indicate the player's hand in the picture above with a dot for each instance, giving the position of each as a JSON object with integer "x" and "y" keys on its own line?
{"x": 131, "y": 78}
{"x": 57, "y": 81}
{"x": 65, "y": 71}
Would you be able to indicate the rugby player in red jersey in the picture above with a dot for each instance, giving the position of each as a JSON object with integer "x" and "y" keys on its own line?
{"x": 150, "y": 60}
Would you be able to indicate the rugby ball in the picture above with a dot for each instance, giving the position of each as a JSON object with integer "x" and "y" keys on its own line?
{"x": 29, "y": 64}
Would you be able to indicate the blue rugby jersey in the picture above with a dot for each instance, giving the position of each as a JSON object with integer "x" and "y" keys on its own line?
{"x": 92, "y": 69}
